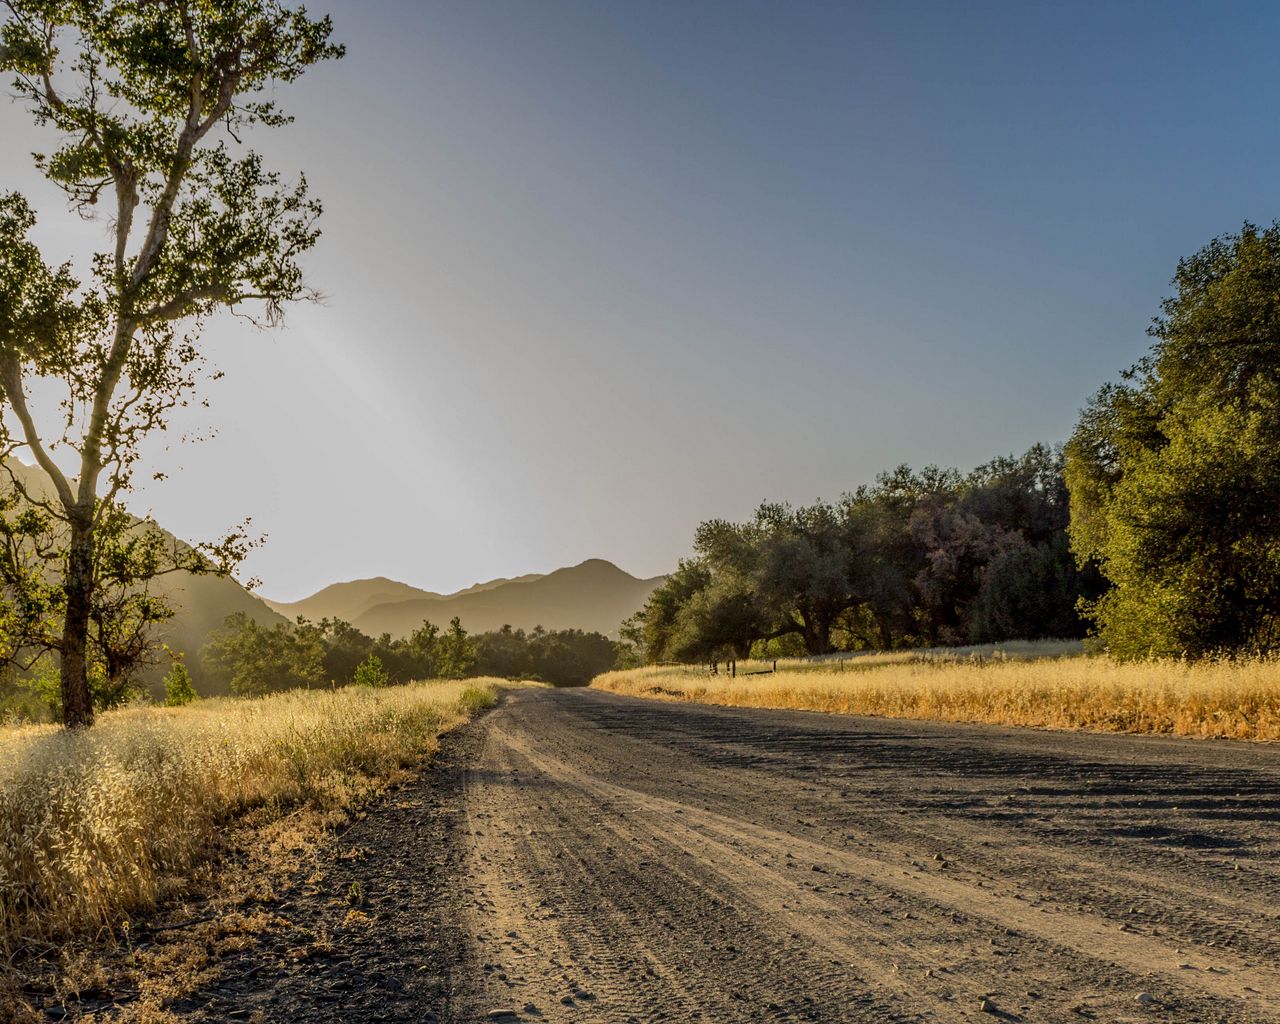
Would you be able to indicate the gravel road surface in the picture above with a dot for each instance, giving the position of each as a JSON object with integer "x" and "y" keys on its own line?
{"x": 578, "y": 856}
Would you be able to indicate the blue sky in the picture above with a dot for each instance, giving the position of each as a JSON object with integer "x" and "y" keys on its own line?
{"x": 598, "y": 271}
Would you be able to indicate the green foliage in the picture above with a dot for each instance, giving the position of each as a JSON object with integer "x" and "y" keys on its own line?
{"x": 1030, "y": 592}
{"x": 370, "y": 673}
{"x": 252, "y": 660}
{"x": 123, "y": 610}
{"x": 924, "y": 558}
{"x": 475, "y": 699}
{"x": 457, "y": 652}
{"x": 248, "y": 658}
{"x": 789, "y": 645}
{"x": 654, "y": 631}
{"x": 39, "y": 686}
{"x": 1175, "y": 473}
{"x": 178, "y": 689}
{"x": 567, "y": 657}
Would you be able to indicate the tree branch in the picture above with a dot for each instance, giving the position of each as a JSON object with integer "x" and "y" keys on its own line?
{"x": 11, "y": 380}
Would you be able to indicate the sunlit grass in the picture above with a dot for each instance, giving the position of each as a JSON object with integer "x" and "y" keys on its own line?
{"x": 1226, "y": 699}
{"x": 1013, "y": 650}
{"x": 96, "y": 825}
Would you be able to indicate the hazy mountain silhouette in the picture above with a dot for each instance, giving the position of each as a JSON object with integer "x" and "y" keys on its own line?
{"x": 348, "y": 601}
{"x": 595, "y": 595}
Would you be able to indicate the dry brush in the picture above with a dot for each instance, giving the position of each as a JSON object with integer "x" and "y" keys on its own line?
{"x": 98, "y": 824}
{"x": 1223, "y": 699}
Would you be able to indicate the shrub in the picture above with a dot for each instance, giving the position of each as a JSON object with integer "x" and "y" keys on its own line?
{"x": 178, "y": 691}
{"x": 371, "y": 673}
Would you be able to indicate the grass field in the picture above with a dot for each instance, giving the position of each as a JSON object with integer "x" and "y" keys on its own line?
{"x": 98, "y": 825}
{"x": 1041, "y": 685}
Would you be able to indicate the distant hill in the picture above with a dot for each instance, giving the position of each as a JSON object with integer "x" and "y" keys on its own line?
{"x": 349, "y": 601}
{"x": 200, "y": 603}
{"x": 595, "y": 595}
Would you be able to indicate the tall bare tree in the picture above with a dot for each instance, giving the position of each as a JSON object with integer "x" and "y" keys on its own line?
{"x": 148, "y": 100}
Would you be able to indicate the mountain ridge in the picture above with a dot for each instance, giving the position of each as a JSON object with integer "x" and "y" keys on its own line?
{"x": 594, "y": 595}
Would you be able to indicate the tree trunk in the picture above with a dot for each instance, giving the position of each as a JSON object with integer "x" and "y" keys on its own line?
{"x": 816, "y": 634}
{"x": 77, "y": 705}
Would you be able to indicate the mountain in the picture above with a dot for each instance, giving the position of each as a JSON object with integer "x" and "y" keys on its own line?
{"x": 595, "y": 595}
{"x": 349, "y": 601}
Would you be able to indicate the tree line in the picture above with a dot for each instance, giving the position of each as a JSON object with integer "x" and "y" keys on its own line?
{"x": 918, "y": 558}
{"x": 247, "y": 658}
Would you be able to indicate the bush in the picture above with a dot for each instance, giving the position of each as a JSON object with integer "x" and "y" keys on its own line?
{"x": 371, "y": 673}
{"x": 178, "y": 690}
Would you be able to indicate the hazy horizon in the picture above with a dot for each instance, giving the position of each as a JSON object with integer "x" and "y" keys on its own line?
{"x": 594, "y": 273}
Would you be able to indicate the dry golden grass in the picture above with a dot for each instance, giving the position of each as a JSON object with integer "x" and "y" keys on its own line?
{"x": 98, "y": 825}
{"x": 1228, "y": 699}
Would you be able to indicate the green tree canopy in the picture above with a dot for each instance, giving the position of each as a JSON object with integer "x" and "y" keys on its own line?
{"x": 928, "y": 557}
{"x": 1174, "y": 472}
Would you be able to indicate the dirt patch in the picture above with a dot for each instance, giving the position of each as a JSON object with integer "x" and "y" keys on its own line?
{"x": 370, "y": 931}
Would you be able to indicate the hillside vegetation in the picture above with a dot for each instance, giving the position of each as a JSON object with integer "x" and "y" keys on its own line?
{"x": 97, "y": 824}
{"x": 1224, "y": 699}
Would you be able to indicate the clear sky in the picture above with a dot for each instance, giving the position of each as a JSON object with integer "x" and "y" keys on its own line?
{"x": 597, "y": 271}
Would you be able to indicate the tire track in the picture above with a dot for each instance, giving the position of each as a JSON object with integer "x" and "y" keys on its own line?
{"x": 635, "y": 861}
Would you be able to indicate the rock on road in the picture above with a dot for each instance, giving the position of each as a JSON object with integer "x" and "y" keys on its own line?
{"x": 609, "y": 859}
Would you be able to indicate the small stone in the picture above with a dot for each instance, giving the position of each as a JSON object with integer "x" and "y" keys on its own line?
{"x": 1145, "y": 999}
{"x": 987, "y": 1006}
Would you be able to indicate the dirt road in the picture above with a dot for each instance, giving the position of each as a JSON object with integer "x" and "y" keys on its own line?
{"x": 620, "y": 860}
